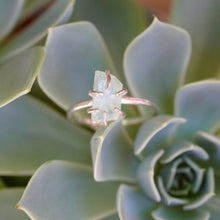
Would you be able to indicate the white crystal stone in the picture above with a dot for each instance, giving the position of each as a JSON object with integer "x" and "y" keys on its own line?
{"x": 107, "y": 102}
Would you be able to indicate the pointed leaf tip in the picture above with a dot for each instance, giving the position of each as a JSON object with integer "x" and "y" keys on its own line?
{"x": 147, "y": 65}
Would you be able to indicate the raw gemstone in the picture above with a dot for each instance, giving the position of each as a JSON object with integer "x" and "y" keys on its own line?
{"x": 107, "y": 102}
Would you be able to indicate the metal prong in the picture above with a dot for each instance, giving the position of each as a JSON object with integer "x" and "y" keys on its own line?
{"x": 105, "y": 119}
{"x": 121, "y": 92}
{"x": 93, "y": 93}
{"x": 93, "y": 110}
{"x": 119, "y": 111}
{"x": 108, "y": 81}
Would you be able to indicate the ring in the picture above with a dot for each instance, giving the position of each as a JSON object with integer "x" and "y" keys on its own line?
{"x": 105, "y": 105}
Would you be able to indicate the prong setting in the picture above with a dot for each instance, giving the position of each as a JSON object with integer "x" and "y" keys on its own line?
{"x": 94, "y": 93}
{"x": 119, "y": 111}
{"x": 105, "y": 105}
{"x": 107, "y": 93}
{"x": 105, "y": 119}
{"x": 121, "y": 92}
{"x": 93, "y": 110}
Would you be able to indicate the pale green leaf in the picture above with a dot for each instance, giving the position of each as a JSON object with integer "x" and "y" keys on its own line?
{"x": 74, "y": 52}
{"x": 181, "y": 148}
{"x": 211, "y": 144}
{"x": 62, "y": 190}
{"x": 8, "y": 199}
{"x": 155, "y": 63}
{"x": 9, "y": 13}
{"x": 133, "y": 204}
{"x": 155, "y": 133}
{"x": 206, "y": 192}
{"x": 213, "y": 207}
{"x": 167, "y": 198}
{"x": 112, "y": 154}
{"x": 18, "y": 74}
{"x": 173, "y": 213}
{"x": 199, "y": 104}
{"x": 112, "y": 217}
{"x": 168, "y": 172}
{"x": 199, "y": 175}
{"x": 37, "y": 30}
{"x": 32, "y": 133}
{"x": 146, "y": 175}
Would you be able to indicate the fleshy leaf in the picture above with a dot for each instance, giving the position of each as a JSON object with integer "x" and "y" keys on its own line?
{"x": 168, "y": 213}
{"x": 203, "y": 26}
{"x": 112, "y": 154}
{"x": 155, "y": 63}
{"x": 153, "y": 130}
{"x": 74, "y": 52}
{"x": 179, "y": 148}
{"x": 112, "y": 217}
{"x": 168, "y": 172}
{"x": 211, "y": 144}
{"x": 199, "y": 104}
{"x": 34, "y": 133}
{"x": 199, "y": 174}
{"x": 145, "y": 174}
{"x": 37, "y": 30}
{"x": 9, "y": 13}
{"x": 70, "y": 192}
{"x": 206, "y": 192}
{"x": 8, "y": 199}
{"x": 168, "y": 199}
{"x": 18, "y": 75}
{"x": 213, "y": 207}
{"x": 133, "y": 204}
{"x": 109, "y": 18}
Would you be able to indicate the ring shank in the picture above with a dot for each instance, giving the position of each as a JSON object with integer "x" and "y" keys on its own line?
{"x": 72, "y": 112}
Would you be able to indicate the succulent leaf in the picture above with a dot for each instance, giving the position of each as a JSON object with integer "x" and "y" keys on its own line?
{"x": 179, "y": 148}
{"x": 168, "y": 172}
{"x": 199, "y": 104}
{"x": 213, "y": 207}
{"x": 28, "y": 122}
{"x": 211, "y": 144}
{"x": 168, "y": 213}
{"x": 19, "y": 73}
{"x": 112, "y": 154}
{"x": 69, "y": 187}
{"x": 207, "y": 192}
{"x": 9, "y": 13}
{"x": 155, "y": 133}
{"x": 35, "y": 31}
{"x": 146, "y": 174}
{"x": 167, "y": 198}
{"x": 152, "y": 74}
{"x": 68, "y": 71}
{"x": 133, "y": 204}
{"x": 8, "y": 199}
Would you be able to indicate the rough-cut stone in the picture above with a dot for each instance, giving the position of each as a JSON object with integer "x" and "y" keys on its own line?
{"x": 108, "y": 101}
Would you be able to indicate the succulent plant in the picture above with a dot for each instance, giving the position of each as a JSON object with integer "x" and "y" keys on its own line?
{"x": 170, "y": 169}
{"x": 32, "y": 132}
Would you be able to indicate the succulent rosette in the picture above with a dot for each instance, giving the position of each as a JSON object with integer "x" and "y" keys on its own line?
{"x": 33, "y": 132}
{"x": 166, "y": 169}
